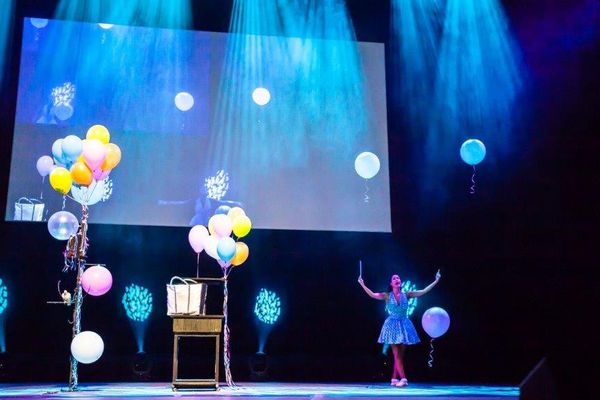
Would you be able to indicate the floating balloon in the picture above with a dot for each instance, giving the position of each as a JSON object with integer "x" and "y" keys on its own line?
{"x": 96, "y": 280}
{"x": 89, "y": 195}
{"x": 435, "y": 321}
{"x": 226, "y": 248}
{"x": 44, "y": 165}
{"x": 184, "y": 101}
{"x": 100, "y": 175}
{"x": 241, "y": 254}
{"x": 113, "y": 157}
{"x": 261, "y": 96}
{"x": 210, "y": 246}
{"x": 81, "y": 174}
{"x": 98, "y": 132}
{"x": 472, "y": 151}
{"x": 63, "y": 111}
{"x": 196, "y": 237}
{"x": 235, "y": 212}
{"x": 221, "y": 225}
{"x": 241, "y": 226}
{"x": 39, "y": 22}
{"x": 62, "y": 225}
{"x": 222, "y": 209}
{"x": 93, "y": 153}
{"x": 367, "y": 165}
{"x": 87, "y": 347}
{"x": 71, "y": 147}
{"x": 60, "y": 180}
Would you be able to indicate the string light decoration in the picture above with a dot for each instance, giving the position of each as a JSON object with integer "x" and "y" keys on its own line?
{"x": 137, "y": 301}
{"x": 268, "y": 307}
{"x": 408, "y": 286}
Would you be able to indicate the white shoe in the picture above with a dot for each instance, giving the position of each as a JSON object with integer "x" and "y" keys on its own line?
{"x": 394, "y": 382}
{"x": 402, "y": 382}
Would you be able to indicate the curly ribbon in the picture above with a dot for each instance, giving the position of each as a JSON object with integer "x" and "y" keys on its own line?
{"x": 226, "y": 348}
{"x": 472, "y": 189}
{"x": 430, "y": 362}
{"x": 78, "y": 294}
{"x": 366, "y": 198}
{"x": 64, "y": 202}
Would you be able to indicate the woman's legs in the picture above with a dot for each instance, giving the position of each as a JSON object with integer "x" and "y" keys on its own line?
{"x": 396, "y": 358}
{"x": 401, "y": 349}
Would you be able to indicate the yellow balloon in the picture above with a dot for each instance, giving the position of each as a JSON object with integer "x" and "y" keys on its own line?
{"x": 60, "y": 180}
{"x": 211, "y": 225}
{"x": 113, "y": 157}
{"x": 235, "y": 212}
{"x": 241, "y": 254}
{"x": 98, "y": 132}
{"x": 241, "y": 226}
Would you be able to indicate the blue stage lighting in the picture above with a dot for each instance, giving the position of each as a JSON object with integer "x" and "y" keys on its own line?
{"x": 408, "y": 286}
{"x": 268, "y": 307}
{"x": 137, "y": 301}
{"x": 3, "y": 297}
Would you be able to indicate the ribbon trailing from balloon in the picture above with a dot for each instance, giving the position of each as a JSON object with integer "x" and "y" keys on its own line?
{"x": 226, "y": 332}
{"x": 472, "y": 189}
{"x": 430, "y": 362}
{"x": 366, "y": 192}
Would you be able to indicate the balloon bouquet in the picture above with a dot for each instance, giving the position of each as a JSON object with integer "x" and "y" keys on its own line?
{"x": 229, "y": 253}
{"x": 80, "y": 167}
{"x": 435, "y": 322}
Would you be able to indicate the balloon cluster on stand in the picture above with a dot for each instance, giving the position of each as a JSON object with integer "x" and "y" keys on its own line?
{"x": 218, "y": 243}
{"x": 435, "y": 322}
{"x": 80, "y": 167}
{"x": 472, "y": 152}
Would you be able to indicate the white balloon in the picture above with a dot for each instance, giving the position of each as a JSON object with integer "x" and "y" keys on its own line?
{"x": 87, "y": 347}
{"x": 63, "y": 111}
{"x": 210, "y": 246}
{"x": 105, "y": 26}
{"x": 39, "y": 22}
{"x": 89, "y": 195}
{"x": 184, "y": 101}
{"x": 261, "y": 96}
{"x": 367, "y": 165}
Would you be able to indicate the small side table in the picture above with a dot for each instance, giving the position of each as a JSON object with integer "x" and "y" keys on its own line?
{"x": 196, "y": 326}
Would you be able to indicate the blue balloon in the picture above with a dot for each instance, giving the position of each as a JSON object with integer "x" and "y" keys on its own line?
{"x": 72, "y": 147}
{"x": 472, "y": 151}
{"x": 226, "y": 249}
{"x": 62, "y": 225}
{"x": 57, "y": 151}
{"x": 222, "y": 210}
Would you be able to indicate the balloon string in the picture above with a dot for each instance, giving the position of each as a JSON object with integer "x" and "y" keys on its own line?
{"x": 472, "y": 189}
{"x": 430, "y": 362}
{"x": 197, "y": 265}
{"x": 64, "y": 202}
{"x": 42, "y": 191}
{"x": 366, "y": 198}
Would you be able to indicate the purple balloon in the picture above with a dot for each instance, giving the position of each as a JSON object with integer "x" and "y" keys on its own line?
{"x": 435, "y": 321}
{"x": 96, "y": 280}
{"x": 45, "y": 165}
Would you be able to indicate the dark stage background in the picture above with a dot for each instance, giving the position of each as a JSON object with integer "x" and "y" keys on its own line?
{"x": 518, "y": 259}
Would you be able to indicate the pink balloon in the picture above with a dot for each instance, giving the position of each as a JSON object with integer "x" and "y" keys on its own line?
{"x": 222, "y": 225}
{"x": 93, "y": 153}
{"x": 99, "y": 174}
{"x": 196, "y": 237}
{"x": 96, "y": 280}
{"x": 210, "y": 246}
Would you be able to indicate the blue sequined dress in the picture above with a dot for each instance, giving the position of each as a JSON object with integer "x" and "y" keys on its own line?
{"x": 397, "y": 328}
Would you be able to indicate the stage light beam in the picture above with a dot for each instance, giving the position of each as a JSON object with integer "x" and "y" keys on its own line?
{"x": 137, "y": 301}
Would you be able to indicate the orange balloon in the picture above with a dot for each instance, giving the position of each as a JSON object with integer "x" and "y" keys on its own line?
{"x": 113, "y": 157}
{"x": 241, "y": 254}
{"x": 81, "y": 174}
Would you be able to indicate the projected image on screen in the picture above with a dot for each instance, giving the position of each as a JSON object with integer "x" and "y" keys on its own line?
{"x": 293, "y": 130}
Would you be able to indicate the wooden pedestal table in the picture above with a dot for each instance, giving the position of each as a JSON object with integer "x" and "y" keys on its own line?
{"x": 196, "y": 327}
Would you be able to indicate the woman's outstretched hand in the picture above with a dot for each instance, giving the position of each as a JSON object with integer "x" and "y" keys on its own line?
{"x": 438, "y": 275}
{"x": 360, "y": 281}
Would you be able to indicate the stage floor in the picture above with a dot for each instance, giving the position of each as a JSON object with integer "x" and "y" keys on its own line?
{"x": 272, "y": 390}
